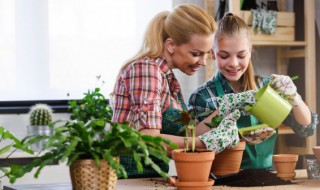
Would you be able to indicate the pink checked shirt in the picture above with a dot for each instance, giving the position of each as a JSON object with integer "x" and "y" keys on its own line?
{"x": 142, "y": 93}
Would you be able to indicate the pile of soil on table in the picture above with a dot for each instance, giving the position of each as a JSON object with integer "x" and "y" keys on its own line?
{"x": 252, "y": 178}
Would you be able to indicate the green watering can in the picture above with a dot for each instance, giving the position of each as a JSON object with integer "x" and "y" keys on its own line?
{"x": 270, "y": 108}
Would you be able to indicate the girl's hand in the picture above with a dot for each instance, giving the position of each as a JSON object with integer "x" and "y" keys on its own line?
{"x": 285, "y": 87}
{"x": 225, "y": 135}
{"x": 229, "y": 102}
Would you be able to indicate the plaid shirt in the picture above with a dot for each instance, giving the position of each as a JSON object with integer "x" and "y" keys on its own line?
{"x": 201, "y": 100}
{"x": 142, "y": 93}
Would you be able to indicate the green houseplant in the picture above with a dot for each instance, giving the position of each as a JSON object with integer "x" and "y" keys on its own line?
{"x": 226, "y": 162}
{"x": 10, "y": 144}
{"x": 193, "y": 165}
{"x": 85, "y": 138}
{"x": 15, "y": 143}
{"x": 40, "y": 117}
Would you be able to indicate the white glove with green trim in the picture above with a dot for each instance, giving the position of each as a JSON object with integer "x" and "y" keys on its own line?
{"x": 284, "y": 86}
{"x": 225, "y": 135}
{"x": 229, "y": 102}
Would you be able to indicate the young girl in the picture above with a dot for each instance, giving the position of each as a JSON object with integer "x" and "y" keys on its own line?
{"x": 232, "y": 52}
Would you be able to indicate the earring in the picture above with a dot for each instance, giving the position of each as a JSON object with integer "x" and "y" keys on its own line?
{"x": 171, "y": 51}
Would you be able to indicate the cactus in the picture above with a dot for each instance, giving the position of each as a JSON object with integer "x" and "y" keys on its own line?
{"x": 40, "y": 114}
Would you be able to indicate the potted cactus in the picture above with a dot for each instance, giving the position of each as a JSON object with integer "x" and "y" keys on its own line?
{"x": 40, "y": 117}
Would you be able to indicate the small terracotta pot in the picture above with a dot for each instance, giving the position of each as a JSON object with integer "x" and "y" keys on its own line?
{"x": 285, "y": 165}
{"x": 228, "y": 161}
{"x": 193, "y": 166}
{"x": 316, "y": 151}
{"x": 194, "y": 185}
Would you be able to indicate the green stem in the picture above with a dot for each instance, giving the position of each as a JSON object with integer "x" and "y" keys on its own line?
{"x": 187, "y": 139}
{"x": 193, "y": 138}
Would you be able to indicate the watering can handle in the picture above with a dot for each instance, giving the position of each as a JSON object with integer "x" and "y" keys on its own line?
{"x": 248, "y": 108}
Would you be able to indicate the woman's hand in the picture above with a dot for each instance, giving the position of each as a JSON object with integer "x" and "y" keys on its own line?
{"x": 229, "y": 102}
{"x": 225, "y": 135}
{"x": 285, "y": 87}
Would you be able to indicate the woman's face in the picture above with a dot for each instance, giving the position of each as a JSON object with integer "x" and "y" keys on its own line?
{"x": 191, "y": 56}
{"x": 233, "y": 55}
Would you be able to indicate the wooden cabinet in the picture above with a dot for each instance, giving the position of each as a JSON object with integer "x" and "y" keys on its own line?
{"x": 303, "y": 49}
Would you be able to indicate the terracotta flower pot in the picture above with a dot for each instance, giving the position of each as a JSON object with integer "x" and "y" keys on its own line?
{"x": 194, "y": 185}
{"x": 193, "y": 166}
{"x": 229, "y": 160}
{"x": 285, "y": 165}
{"x": 316, "y": 151}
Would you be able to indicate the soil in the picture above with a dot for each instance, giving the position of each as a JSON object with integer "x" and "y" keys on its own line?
{"x": 251, "y": 178}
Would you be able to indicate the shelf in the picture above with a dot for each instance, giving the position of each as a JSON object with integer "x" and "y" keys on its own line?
{"x": 279, "y": 43}
{"x": 305, "y": 50}
{"x": 284, "y": 130}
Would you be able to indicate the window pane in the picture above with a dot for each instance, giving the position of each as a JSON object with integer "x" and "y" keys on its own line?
{"x": 89, "y": 39}
{"x": 7, "y": 45}
{"x": 51, "y": 48}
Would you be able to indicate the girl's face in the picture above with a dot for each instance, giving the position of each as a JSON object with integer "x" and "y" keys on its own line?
{"x": 233, "y": 55}
{"x": 191, "y": 56}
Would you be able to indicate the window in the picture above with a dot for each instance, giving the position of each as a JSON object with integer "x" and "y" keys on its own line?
{"x": 7, "y": 46}
{"x": 52, "y": 48}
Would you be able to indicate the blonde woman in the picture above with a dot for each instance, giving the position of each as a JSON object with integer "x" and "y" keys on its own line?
{"x": 147, "y": 93}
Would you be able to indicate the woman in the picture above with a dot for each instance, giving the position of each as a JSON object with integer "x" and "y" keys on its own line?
{"x": 235, "y": 76}
{"x": 147, "y": 93}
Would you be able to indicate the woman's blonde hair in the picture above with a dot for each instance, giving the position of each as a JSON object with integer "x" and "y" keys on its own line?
{"x": 180, "y": 25}
{"x": 231, "y": 25}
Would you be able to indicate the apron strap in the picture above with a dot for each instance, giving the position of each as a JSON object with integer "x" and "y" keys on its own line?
{"x": 218, "y": 84}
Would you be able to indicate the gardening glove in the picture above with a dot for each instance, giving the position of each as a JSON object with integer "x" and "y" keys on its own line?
{"x": 224, "y": 136}
{"x": 257, "y": 20}
{"x": 269, "y": 21}
{"x": 259, "y": 135}
{"x": 229, "y": 102}
{"x": 284, "y": 86}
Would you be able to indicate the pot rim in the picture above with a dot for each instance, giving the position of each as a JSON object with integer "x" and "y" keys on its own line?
{"x": 285, "y": 157}
{"x": 241, "y": 146}
{"x": 178, "y": 183}
{"x": 204, "y": 155}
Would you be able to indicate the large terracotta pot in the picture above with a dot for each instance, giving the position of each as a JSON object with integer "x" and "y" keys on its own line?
{"x": 285, "y": 165}
{"x": 193, "y": 166}
{"x": 228, "y": 161}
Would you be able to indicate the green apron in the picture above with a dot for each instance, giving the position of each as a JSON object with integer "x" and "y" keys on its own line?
{"x": 169, "y": 126}
{"x": 256, "y": 156}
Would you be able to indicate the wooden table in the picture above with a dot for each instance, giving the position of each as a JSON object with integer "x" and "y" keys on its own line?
{"x": 302, "y": 182}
